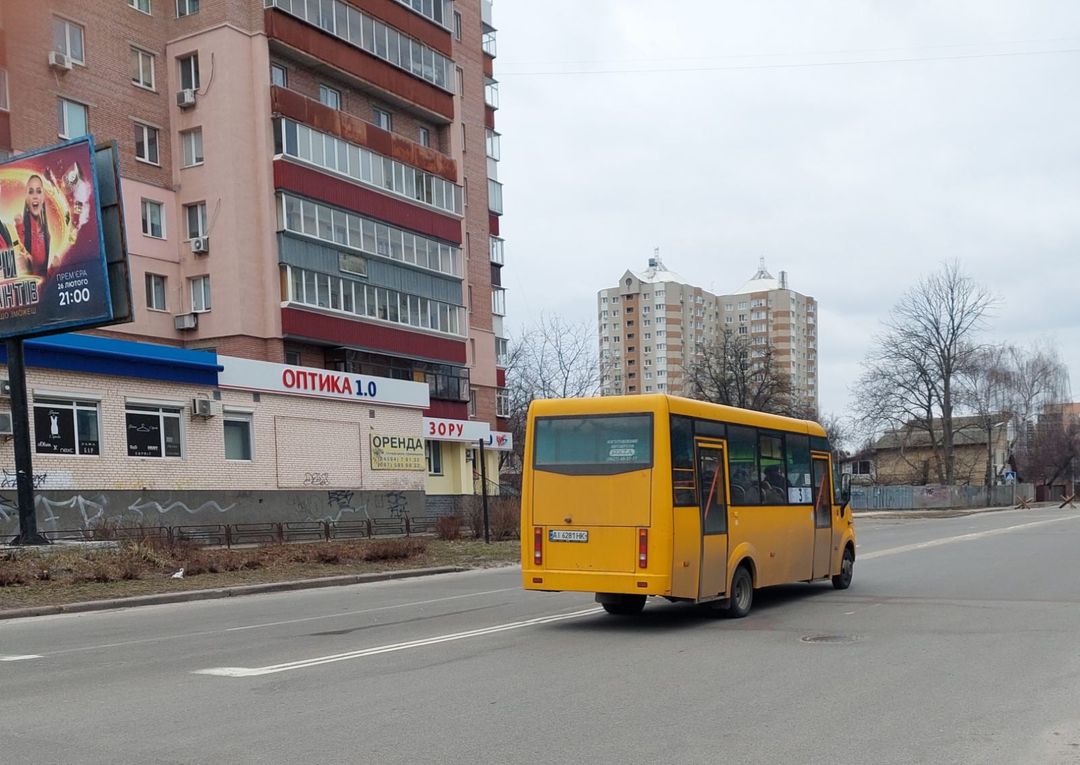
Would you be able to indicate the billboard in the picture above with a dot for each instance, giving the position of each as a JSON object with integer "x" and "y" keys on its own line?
{"x": 53, "y": 271}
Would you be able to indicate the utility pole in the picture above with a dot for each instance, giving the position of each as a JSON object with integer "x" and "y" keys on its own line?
{"x": 24, "y": 461}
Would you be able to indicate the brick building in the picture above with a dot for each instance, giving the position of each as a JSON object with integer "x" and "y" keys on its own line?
{"x": 309, "y": 183}
{"x": 653, "y": 323}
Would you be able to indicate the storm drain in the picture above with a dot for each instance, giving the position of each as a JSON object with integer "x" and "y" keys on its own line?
{"x": 829, "y": 639}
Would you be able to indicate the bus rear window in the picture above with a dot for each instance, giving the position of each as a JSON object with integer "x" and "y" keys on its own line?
{"x": 593, "y": 445}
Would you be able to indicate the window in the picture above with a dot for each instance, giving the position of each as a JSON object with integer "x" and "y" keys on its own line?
{"x": 186, "y": 8}
{"x": 279, "y": 76}
{"x": 381, "y": 117}
{"x": 146, "y": 144}
{"x": 155, "y": 292}
{"x": 189, "y": 71}
{"x": 196, "y": 219}
{"x": 798, "y": 469}
{"x": 200, "y": 294}
{"x": 742, "y": 456}
{"x": 140, "y": 5}
{"x": 74, "y": 119}
{"x": 142, "y": 68}
{"x": 293, "y": 358}
{"x": 153, "y": 431}
{"x": 237, "y": 436}
{"x": 433, "y": 452}
{"x": 4, "y": 103}
{"x": 191, "y": 140}
{"x": 593, "y": 445}
{"x": 65, "y": 426}
{"x": 502, "y": 351}
{"x": 68, "y": 39}
{"x": 502, "y": 402}
{"x": 425, "y": 137}
{"x": 153, "y": 219}
{"x": 457, "y": 25}
{"x": 771, "y": 461}
{"x": 330, "y": 96}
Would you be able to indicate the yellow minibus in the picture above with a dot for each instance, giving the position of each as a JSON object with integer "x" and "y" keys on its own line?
{"x": 654, "y": 495}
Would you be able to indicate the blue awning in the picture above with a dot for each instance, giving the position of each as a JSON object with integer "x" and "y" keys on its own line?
{"x": 120, "y": 358}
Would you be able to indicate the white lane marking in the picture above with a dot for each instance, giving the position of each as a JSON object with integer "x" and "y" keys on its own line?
{"x": 316, "y": 661}
{"x": 369, "y": 610}
{"x": 960, "y": 538}
{"x": 185, "y": 635}
{"x": 21, "y": 658}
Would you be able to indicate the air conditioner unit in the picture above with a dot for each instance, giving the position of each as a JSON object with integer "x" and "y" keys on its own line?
{"x": 205, "y": 407}
{"x": 184, "y": 321}
{"x": 5, "y": 389}
{"x": 185, "y": 98}
{"x": 6, "y": 426}
{"x": 200, "y": 245}
{"x": 59, "y": 61}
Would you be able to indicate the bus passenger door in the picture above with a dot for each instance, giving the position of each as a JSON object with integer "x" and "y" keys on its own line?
{"x": 822, "y": 517}
{"x": 712, "y": 497}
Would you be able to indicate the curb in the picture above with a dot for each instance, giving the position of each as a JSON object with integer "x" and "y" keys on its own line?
{"x": 223, "y": 592}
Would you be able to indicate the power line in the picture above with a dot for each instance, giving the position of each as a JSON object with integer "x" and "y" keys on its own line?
{"x": 850, "y": 52}
{"x": 805, "y": 65}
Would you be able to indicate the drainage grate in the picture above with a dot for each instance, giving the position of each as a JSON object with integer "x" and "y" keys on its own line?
{"x": 829, "y": 638}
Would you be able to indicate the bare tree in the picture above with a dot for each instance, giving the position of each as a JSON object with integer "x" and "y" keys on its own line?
{"x": 552, "y": 358}
{"x": 985, "y": 386}
{"x": 910, "y": 380}
{"x": 734, "y": 372}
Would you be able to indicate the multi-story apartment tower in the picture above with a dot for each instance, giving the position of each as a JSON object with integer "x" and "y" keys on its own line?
{"x": 653, "y": 323}
{"x": 310, "y": 182}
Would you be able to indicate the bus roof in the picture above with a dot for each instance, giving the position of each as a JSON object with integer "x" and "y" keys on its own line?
{"x": 662, "y": 402}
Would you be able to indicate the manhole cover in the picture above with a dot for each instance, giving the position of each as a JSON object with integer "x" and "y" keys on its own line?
{"x": 828, "y": 638}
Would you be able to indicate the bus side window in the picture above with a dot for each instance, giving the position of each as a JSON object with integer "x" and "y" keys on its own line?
{"x": 798, "y": 469}
{"x": 771, "y": 459}
{"x": 684, "y": 485}
{"x": 742, "y": 457}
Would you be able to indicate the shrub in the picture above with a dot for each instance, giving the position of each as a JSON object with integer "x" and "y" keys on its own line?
{"x": 448, "y": 527}
{"x": 393, "y": 549}
{"x": 505, "y": 517}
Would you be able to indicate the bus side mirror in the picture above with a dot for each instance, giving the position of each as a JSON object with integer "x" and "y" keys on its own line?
{"x": 845, "y": 489}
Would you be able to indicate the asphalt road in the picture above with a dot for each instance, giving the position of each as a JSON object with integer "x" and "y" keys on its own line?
{"x": 959, "y": 641}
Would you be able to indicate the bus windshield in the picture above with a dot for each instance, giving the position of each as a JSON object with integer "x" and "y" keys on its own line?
{"x": 594, "y": 444}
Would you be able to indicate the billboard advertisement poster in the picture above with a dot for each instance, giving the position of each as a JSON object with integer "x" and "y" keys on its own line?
{"x": 53, "y": 274}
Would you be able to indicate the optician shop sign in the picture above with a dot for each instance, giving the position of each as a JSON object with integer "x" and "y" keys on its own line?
{"x": 247, "y": 374}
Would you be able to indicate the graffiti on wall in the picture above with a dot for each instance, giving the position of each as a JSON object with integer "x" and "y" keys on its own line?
{"x": 56, "y": 479}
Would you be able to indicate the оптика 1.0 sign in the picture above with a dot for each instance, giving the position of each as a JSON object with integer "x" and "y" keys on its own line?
{"x": 53, "y": 273}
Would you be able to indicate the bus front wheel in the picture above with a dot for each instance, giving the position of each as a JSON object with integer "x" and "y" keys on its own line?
{"x": 627, "y": 605}
{"x": 741, "y": 595}
{"x": 847, "y": 569}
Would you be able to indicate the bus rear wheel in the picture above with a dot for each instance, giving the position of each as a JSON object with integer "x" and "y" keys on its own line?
{"x": 628, "y": 605}
{"x": 741, "y": 595}
{"x": 847, "y": 569}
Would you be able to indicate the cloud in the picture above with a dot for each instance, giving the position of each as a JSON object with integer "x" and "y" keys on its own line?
{"x": 856, "y": 178}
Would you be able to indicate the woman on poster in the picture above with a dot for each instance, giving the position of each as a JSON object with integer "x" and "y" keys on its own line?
{"x": 33, "y": 231}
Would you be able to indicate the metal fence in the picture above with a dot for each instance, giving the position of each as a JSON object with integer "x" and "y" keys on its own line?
{"x": 937, "y": 497}
{"x": 230, "y": 534}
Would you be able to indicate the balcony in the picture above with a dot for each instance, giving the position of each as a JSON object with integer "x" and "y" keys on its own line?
{"x": 491, "y": 92}
{"x": 439, "y": 11}
{"x": 495, "y": 200}
{"x": 494, "y": 145}
{"x": 498, "y": 301}
{"x": 485, "y": 15}
{"x": 488, "y": 43}
{"x": 361, "y": 165}
{"x": 495, "y": 245}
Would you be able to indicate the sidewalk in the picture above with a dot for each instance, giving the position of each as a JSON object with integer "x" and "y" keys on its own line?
{"x": 223, "y": 592}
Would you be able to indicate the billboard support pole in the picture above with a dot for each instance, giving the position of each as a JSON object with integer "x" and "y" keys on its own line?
{"x": 484, "y": 492}
{"x": 24, "y": 461}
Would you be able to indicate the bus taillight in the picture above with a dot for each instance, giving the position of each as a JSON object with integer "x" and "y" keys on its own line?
{"x": 538, "y": 545}
{"x": 643, "y": 548}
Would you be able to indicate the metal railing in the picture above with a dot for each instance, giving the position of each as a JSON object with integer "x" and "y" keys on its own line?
{"x": 235, "y": 534}
{"x": 937, "y": 497}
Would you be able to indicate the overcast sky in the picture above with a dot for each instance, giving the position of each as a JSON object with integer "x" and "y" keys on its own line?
{"x": 723, "y": 131}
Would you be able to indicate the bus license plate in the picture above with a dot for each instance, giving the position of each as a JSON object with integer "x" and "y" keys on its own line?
{"x": 564, "y": 535}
